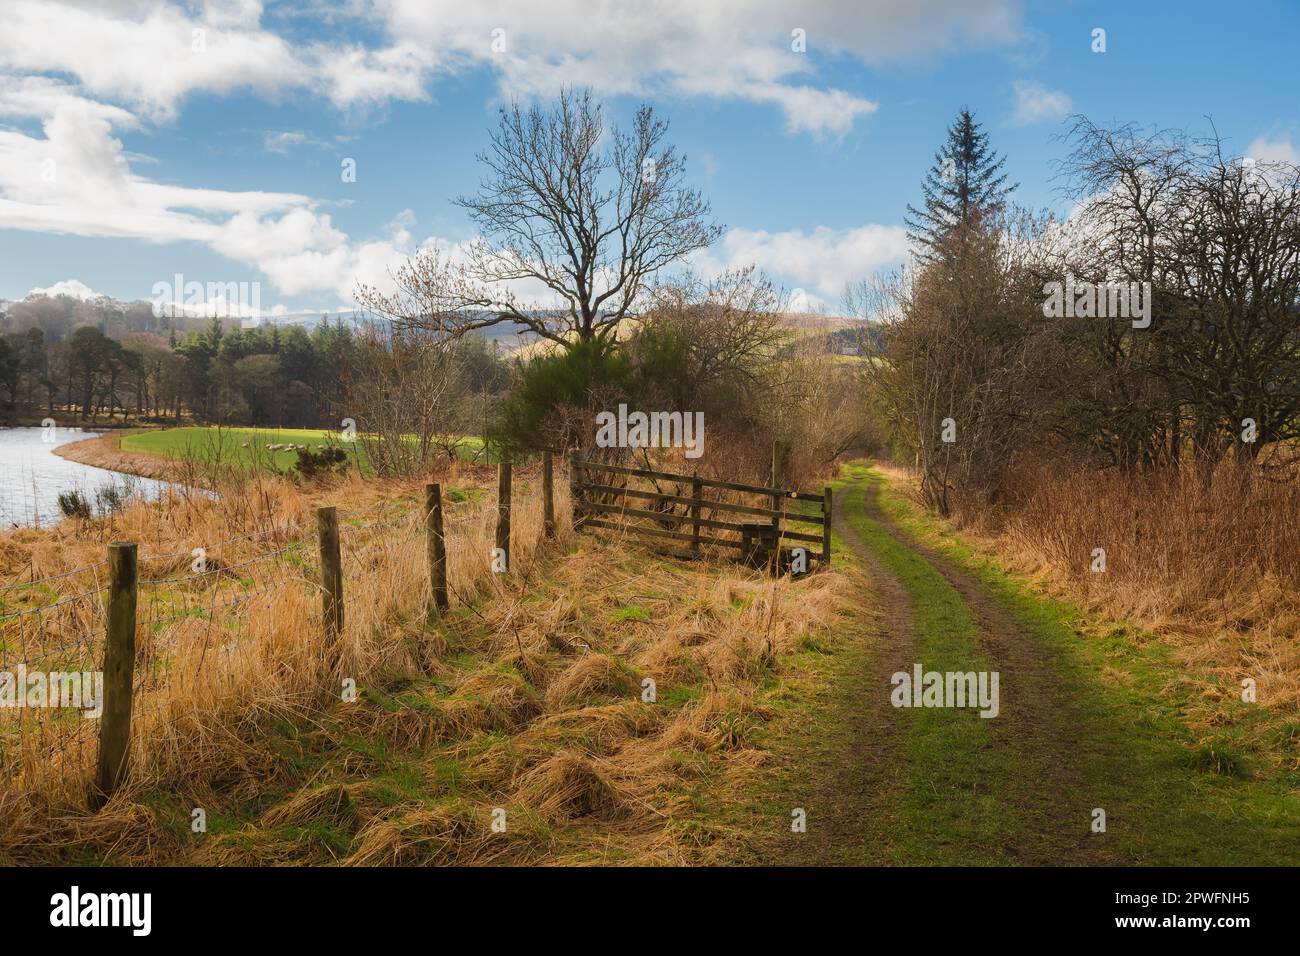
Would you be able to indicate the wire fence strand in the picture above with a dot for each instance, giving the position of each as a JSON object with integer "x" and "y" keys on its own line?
{"x": 187, "y": 625}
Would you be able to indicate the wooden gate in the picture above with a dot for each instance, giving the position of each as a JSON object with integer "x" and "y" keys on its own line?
{"x": 693, "y": 512}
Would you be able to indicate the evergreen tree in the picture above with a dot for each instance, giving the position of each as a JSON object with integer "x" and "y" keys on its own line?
{"x": 963, "y": 189}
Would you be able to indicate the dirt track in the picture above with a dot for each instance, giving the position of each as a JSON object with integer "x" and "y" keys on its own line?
{"x": 1037, "y": 719}
{"x": 858, "y": 763}
{"x": 852, "y": 796}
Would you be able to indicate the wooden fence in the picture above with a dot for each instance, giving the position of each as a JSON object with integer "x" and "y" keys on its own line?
{"x": 122, "y": 609}
{"x": 604, "y": 498}
{"x": 758, "y": 540}
{"x": 113, "y": 766}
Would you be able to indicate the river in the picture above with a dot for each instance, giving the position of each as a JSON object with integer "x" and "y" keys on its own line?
{"x": 32, "y": 477}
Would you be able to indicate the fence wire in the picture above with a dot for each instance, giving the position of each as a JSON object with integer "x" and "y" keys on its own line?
{"x": 189, "y": 624}
{"x": 209, "y": 624}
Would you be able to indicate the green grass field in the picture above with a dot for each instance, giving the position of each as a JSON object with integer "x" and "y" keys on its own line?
{"x": 246, "y": 447}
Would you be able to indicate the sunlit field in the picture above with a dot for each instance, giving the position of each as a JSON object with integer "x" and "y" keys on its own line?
{"x": 250, "y": 448}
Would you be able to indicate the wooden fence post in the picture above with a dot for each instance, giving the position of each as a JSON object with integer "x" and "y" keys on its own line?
{"x": 548, "y": 491}
{"x": 575, "y": 489}
{"x": 119, "y": 674}
{"x": 826, "y": 526}
{"x": 778, "y": 466}
{"x": 331, "y": 574}
{"x": 697, "y": 494}
{"x": 503, "y": 512}
{"x": 437, "y": 548}
{"x": 778, "y": 470}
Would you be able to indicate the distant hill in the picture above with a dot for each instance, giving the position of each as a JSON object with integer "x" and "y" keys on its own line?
{"x": 509, "y": 335}
{"x": 841, "y": 334}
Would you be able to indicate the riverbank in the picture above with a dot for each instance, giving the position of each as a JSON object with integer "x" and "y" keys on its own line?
{"x": 105, "y": 451}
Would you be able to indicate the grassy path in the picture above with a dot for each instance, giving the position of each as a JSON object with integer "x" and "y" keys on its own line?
{"x": 845, "y": 774}
{"x": 1084, "y": 724}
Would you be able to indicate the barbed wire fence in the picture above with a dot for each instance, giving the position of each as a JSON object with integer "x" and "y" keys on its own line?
{"x": 136, "y": 641}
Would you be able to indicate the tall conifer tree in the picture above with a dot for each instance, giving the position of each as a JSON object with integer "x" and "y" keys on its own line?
{"x": 963, "y": 190}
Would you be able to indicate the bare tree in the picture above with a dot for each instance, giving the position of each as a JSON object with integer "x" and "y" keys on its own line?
{"x": 952, "y": 360}
{"x": 404, "y": 392}
{"x": 714, "y": 337}
{"x": 1219, "y": 239}
{"x": 586, "y": 213}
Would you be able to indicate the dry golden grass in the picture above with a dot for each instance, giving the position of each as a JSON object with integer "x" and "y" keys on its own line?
{"x": 531, "y": 688}
{"x": 1206, "y": 560}
{"x": 203, "y": 682}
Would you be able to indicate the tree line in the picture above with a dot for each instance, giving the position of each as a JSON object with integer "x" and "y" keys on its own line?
{"x": 101, "y": 360}
{"x": 1153, "y": 328}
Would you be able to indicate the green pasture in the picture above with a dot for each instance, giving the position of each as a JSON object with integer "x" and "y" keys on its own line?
{"x": 247, "y": 447}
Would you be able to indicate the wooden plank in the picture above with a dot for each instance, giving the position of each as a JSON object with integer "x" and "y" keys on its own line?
{"x": 696, "y": 497}
{"x": 778, "y": 462}
{"x": 801, "y": 536}
{"x": 575, "y": 488}
{"x": 634, "y": 529}
{"x": 642, "y": 472}
{"x": 674, "y": 535}
{"x": 548, "y": 493}
{"x": 827, "y": 515}
{"x": 681, "y": 518}
{"x": 709, "y": 482}
{"x": 504, "y": 470}
{"x": 778, "y": 459}
{"x": 756, "y": 490}
{"x": 331, "y": 573}
{"x": 707, "y": 505}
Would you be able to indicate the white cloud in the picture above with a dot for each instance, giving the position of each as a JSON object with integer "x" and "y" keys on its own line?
{"x": 37, "y": 97}
{"x": 149, "y": 55}
{"x": 1280, "y": 150}
{"x": 1035, "y": 103}
{"x": 121, "y": 63}
{"x": 72, "y": 287}
{"x": 822, "y": 261}
{"x": 281, "y": 141}
{"x": 285, "y": 236}
{"x": 737, "y": 51}
{"x": 76, "y": 180}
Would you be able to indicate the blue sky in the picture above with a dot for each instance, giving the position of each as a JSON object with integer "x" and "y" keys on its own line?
{"x": 131, "y": 150}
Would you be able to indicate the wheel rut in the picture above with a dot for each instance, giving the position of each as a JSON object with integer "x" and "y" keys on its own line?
{"x": 848, "y": 766}
{"x": 1037, "y": 720}
{"x": 854, "y": 768}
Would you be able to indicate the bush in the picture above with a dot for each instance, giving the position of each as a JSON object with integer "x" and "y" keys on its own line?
{"x": 554, "y": 403}
{"x": 316, "y": 464}
{"x": 112, "y": 498}
{"x": 73, "y": 504}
